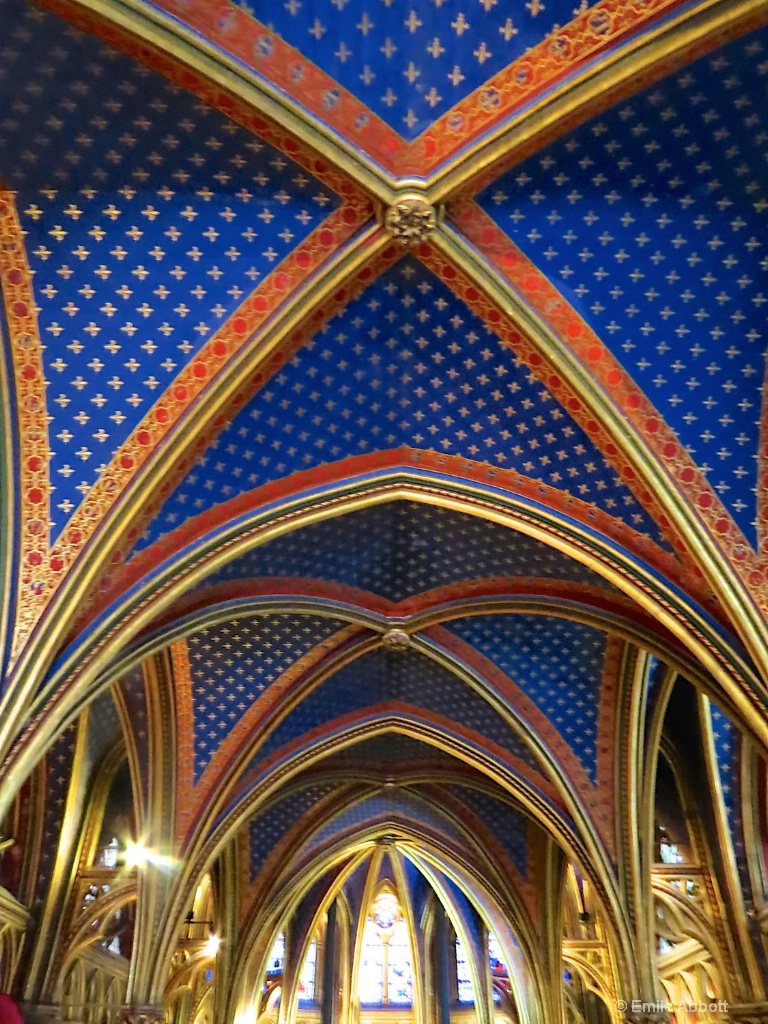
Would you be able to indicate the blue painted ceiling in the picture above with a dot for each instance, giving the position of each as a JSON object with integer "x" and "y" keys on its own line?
{"x": 556, "y": 662}
{"x": 400, "y": 549}
{"x": 389, "y": 750}
{"x": 651, "y": 220}
{"x": 410, "y": 62}
{"x": 407, "y": 677}
{"x": 266, "y": 829}
{"x": 406, "y": 363}
{"x": 234, "y": 662}
{"x": 149, "y": 217}
{"x": 388, "y": 803}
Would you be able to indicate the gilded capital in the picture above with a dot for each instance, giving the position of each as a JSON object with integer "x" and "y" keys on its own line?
{"x": 142, "y": 1015}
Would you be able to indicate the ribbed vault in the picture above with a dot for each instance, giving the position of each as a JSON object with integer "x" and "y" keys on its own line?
{"x": 383, "y": 478}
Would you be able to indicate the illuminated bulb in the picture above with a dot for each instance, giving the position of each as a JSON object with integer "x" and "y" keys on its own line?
{"x": 136, "y": 854}
{"x": 212, "y": 945}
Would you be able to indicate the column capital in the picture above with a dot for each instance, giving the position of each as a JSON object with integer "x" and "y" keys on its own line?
{"x": 747, "y": 1013}
{"x": 645, "y": 1011}
{"x": 142, "y": 1015}
{"x": 40, "y": 1013}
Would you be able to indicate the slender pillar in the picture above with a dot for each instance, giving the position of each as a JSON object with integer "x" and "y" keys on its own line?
{"x": 442, "y": 966}
{"x": 330, "y": 961}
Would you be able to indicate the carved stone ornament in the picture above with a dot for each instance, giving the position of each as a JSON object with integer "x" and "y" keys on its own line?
{"x": 396, "y": 640}
{"x": 645, "y": 1011}
{"x": 410, "y": 219}
{"x": 747, "y": 1013}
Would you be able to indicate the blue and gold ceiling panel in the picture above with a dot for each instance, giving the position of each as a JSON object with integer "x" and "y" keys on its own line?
{"x": 411, "y": 84}
{"x": 400, "y": 549}
{"x": 405, "y": 363}
{"x": 650, "y": 219}
{"x": 556, "y": 662}
{"x": 104, "y": 728}
{"x": 59, "y": 763}
{"x": 409, "y": 63}
{"x": 131, "y": 693}
{"x": 387, "y": 804}
{"x": 506, "y": 823}
{"x": 384, "y": 677}
{"x": 148, "y": 217}
{"x": 726, "y": 740}
{"x": 267, "y": 828}
{"x": 233, "y": 663}
{"x": 387, "y": 751}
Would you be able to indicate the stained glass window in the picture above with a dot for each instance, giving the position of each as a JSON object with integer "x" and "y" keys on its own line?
{"x": 371, "y": 986}
{"x": 669, "y": 852}
{"x": 386, "y": 966}
{"x": 495, "y": 956}
{"x": 308, "y": 973}
{"x": 277, "y": 956}
{"x": 463, "y": 974}
{"x": 399, "y": 965}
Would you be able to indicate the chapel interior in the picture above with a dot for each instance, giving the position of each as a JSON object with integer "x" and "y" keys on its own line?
{"x": 384, "y": 490}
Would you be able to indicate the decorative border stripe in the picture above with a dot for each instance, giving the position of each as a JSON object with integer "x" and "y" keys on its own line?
{"x": 560, "y": 54}
{"x": 29, "y": 383}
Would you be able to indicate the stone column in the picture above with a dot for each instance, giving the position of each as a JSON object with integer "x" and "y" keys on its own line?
{"x": 442, "y": 966}
{"x": 330, "y": 965}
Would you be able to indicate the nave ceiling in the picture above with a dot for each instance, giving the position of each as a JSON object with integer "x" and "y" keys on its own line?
{"x": 383, "y": 405}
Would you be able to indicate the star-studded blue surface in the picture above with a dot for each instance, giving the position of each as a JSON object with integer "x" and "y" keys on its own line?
{"x": 149, "y": 217}
{"x": 58, "y": 773}
{"x": 556, "y": 662}
{"x": 508, "y": 825}
{"x": 400, "y": 549}
{"x": 392, "y": 749}
{"x": 134, "y": 693}
{"x": 409, "y": 61}
{"x": 406, "y": 677}
{"x": 104, "y": 729}
{"x": 724, "y": 738}
{"x": 726, "y": 741}
{"x": 232, "y": 663}
{"x": 267, "y": 829}
{"x": 651, "y": 220}
{"x": 389, "y": 803}
{"x": 406, "y": 363}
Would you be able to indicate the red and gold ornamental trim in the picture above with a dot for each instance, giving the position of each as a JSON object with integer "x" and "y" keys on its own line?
{"x": 247, "y": 39}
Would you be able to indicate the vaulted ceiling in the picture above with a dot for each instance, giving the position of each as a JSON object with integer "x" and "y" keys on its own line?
{"x": 390, "y": 376}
